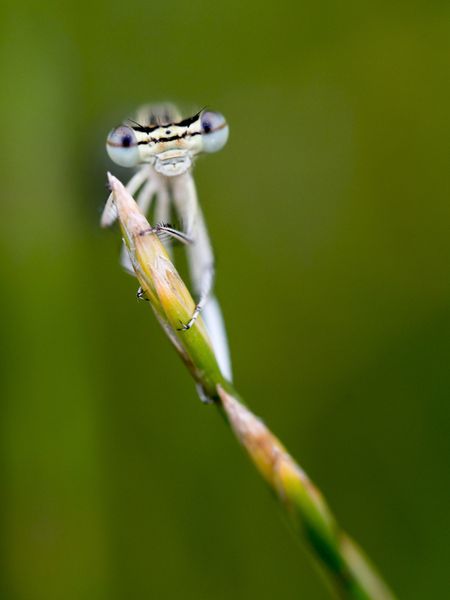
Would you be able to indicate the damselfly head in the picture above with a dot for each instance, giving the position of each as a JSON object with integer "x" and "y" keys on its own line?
{"x": 170, "y": 147}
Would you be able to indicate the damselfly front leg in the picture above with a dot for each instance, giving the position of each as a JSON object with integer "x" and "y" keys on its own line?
{"x": 163, "y": 148}
{"x": 160, "y": 229}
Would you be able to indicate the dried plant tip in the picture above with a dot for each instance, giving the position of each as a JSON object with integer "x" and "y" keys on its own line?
{"x": 129, "y": 214}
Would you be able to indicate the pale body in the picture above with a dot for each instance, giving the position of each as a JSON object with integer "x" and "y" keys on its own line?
{"x": 163, "y": 147}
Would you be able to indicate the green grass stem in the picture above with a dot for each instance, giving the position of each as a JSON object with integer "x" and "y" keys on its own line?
{"x": 349, "y": 572}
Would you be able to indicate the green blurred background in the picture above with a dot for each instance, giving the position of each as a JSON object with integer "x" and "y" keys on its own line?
{"x": 329, "y": 211}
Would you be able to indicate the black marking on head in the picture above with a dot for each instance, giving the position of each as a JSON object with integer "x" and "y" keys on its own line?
{"x": 154, "y": 125}
{"x": 143, "y": 128}
{"x": 189, "y": 120}
{"x": 169, "y": 139}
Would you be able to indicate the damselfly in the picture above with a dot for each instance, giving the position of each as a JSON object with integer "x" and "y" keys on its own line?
{"x": 162, "y": 147}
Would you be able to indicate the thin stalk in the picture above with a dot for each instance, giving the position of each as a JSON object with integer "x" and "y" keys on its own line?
{"x": 348, "y": 570}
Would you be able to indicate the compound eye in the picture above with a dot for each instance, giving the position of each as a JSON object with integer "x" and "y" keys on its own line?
{"x": 214, "y": 131}
{"x": 122, "y": 146}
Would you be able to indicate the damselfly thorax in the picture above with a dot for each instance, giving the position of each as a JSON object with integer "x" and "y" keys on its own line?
{"x": 162, "y": 147}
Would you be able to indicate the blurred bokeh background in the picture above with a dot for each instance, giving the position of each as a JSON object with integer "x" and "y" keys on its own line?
{"x": 329, "y": 211}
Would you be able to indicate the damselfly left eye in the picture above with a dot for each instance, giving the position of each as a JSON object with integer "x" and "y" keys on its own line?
{"x": 214, "y": 131}
{"x": 122, "y": 146}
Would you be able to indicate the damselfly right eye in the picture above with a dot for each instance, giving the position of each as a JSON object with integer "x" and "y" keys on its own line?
{"x": 214, "y": 131}
{"x": 122, "y": 146}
